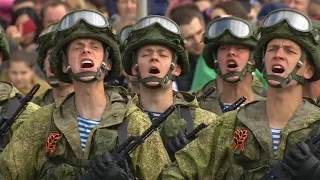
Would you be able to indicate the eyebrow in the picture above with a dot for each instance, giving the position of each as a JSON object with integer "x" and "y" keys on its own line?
{"x": 159, "y": 50}
{"x": 285, "y": 46}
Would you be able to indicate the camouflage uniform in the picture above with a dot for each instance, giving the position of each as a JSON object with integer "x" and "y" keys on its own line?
{"x": 25, "y": 157}
{"x": 45, "y": 41}
{"x": 239, "y": 145}
{"x": 44, "y": 98}
{"x": 176, "y": 122}
{"x": 7, "y": 93}
{"x": 4, "y": 45}
{"x": 186, "y": 103}
{"x": 210, "y": 101}
{"x": 218, "y": 160}
{"x": 49, "y": 146}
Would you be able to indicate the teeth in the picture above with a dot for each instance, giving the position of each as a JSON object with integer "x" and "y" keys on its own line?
{"x": 277, "y": 66}
{"x": 87, "y": 61}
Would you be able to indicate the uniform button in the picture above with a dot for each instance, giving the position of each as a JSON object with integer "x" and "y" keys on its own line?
{"x": 115, "y": 114}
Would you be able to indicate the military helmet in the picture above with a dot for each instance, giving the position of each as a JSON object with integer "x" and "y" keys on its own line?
{"x": 228, "y": 30}
{"x": 124, "y": 33}
{"x": 85, "y": 24}
{"x": 45, "y": 42}
{"x": 155, "y": 30}
{"x": 4, "y": 45}
{"x": 292, "y": 25}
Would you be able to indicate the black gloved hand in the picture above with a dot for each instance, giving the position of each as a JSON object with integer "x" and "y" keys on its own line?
{"x": 105, "y": 167}
{"x": 176, "y": 143}
{"x": 302, "y": 163}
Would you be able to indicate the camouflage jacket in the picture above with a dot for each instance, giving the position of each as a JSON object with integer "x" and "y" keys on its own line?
{"x": 48, "y": 146}
{"x": 44, "y": 99}
{"x": 211, "y": 100}
{"x": 240, "y": 145}
{"x": 176, "y": 123}
{"x": 8, "y": 92}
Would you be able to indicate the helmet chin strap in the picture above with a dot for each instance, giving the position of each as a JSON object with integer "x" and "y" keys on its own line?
{"x": 51, "y": 79}
{"x": 97, "y": 76}
{"x": 241, "y": 75}
{"x": 162, "y": 82}
{"x": 284, "y": 82}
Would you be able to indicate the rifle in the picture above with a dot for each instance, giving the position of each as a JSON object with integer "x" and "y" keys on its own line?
{"x": 206, "y": 93}
{"x": 235, "y": 105}
{"x": 192, "y": 135}
{"x": 122, "y": 152}
{"x": 277, "y": 172}
{"x": 15, "y": 108}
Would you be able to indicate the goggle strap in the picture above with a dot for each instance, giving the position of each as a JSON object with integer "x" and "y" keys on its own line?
{"x": 64, "y": 58}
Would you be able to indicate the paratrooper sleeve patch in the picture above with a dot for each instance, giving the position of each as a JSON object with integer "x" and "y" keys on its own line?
{"x": 240, "y": 136}
{"x": 52, "y": 140}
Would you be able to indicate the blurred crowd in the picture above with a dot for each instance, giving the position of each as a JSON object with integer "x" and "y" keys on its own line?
{"x": 23, "y": 20}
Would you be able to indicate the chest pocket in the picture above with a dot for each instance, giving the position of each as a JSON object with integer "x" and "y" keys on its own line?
{"x": 249, "y": 159}
{"x": 63, "y": 163}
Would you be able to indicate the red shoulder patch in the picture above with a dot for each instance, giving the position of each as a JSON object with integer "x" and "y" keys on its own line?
{"x": 52, "y": 140}
{"x": 240, "y": 136}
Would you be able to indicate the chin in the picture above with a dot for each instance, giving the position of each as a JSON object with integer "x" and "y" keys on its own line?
{"x": 89, "y": 78}
{"x": 152, "y": 83}
{"x": 273, "y": 83}
{"x": 233, "y": 79}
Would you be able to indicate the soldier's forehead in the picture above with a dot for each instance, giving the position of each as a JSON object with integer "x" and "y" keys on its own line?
{"x": 85, "y": 40}
{"x": 155, "y": 47}
{"x": 282, "y": 42}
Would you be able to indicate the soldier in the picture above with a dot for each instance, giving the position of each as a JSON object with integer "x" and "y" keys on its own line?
{"x": 7, "y": 95}
{"x": 310, "y": 90}
{"x": 88, "y": 122}
{"x": 155, "y": 55}
{"x": 247, "y": 143}
{"x": 229, "y": 46}
{"x": 59, "y": 89}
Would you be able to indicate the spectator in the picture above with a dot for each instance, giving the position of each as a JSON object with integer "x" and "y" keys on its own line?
{"x": 190, "y": 20}
{"x": 299, "y": 5}
{"x": 127, "y": 8}
{"x": 22, "y": 35}
{"x": 314, "y": 9}
{"x": 203, "y": 4}
{"x": 18, "y": 4}
{"x": 38, "y": 4}
{"x": 21, "y": 73}
{"x": 233, "y": 8}
{"x": 6, "y": 10}
{"x": 76, "y": 4}
{"x": 53, "y": 11}
{"x": 101, "y": 6}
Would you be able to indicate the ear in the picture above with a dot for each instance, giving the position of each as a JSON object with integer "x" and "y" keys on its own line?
{"x": 309, "y": 72}
{"x": 134, "y": 69}
{"x": 177, "y": 70}
{"x": 109, "y": 65}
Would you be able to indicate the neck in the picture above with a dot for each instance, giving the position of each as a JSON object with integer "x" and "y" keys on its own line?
{"x": 156, "y": 100}
{"x": 90, "y": 99}
{"x": 61, "y": 92}
{"x": 310, "y": 90}
{"x": 281, "y": 104}
{"x": 231, "y": 92}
